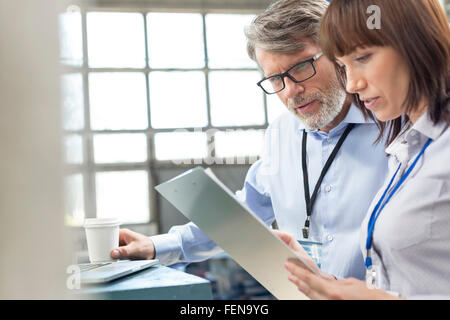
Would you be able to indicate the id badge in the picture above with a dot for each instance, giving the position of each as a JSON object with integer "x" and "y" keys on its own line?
{"x": 373, "y": 277}
{"x": 314, "y": 249}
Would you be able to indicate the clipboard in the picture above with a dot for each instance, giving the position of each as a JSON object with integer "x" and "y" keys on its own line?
{"x": 207, "y": 202}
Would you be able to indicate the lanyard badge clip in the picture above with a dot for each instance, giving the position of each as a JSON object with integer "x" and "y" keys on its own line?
{"x": 371, "y": 278}
{"x": 305, "y": 230}
{"x": 372, "y": 272}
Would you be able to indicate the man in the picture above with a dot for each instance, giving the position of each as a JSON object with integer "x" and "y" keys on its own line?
{"x": 282, "y": 184}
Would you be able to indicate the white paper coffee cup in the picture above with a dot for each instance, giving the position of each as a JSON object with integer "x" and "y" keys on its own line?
{"x": 102, "y": 237}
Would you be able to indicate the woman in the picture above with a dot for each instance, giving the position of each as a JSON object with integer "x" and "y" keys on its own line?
{"x": 400, "y": 72}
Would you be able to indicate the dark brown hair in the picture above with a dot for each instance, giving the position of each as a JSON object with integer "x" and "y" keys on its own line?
{"x": 418, "y": 30}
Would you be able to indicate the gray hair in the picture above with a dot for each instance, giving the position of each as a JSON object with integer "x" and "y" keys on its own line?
{"x": 283, "y": 23}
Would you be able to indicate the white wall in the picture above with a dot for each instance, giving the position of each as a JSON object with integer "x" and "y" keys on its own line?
{"x": 33, "y": 248}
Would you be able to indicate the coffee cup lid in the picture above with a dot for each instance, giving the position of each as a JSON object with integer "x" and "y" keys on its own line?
{"x": 101, "y": 222}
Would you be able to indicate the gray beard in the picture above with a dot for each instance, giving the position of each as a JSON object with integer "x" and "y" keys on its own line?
{"x": 332, "y": 103}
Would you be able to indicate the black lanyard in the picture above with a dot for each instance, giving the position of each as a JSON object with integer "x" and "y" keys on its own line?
{"x": 310, "y": 200}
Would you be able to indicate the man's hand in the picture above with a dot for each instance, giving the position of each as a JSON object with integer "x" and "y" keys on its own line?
{"x": 133, "y": 246}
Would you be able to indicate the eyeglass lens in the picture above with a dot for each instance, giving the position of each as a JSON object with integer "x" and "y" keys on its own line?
{"x": 299, "y": 73}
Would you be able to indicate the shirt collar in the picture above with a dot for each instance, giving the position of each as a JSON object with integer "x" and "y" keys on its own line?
{"x": 427, "y": 128}
{"x": 354, "y": 115}
{"x": 405, "y": 144}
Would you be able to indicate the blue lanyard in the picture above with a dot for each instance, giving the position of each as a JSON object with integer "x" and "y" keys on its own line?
{"x": 380, "y": 205}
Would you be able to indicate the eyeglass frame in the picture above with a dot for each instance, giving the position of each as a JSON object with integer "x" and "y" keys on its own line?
{"x": 286, "y": 74}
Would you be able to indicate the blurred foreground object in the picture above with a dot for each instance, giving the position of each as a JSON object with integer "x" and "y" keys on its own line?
{"x": 34, "y": 252}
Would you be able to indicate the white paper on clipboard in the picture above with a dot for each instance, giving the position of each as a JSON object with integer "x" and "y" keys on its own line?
{"x": 207, "y": 202}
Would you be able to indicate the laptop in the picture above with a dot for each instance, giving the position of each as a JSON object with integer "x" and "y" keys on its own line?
{"x": 207, "y": 202}
{"x": 109, "y": 271}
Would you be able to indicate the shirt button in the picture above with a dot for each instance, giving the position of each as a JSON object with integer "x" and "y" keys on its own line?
{"x": 415, "y": 142}
{"x": 328, "y": 188}
{"x": 413, "y": 133}
{"x": 330, "y": 238}
{"x": 329, "y": 139}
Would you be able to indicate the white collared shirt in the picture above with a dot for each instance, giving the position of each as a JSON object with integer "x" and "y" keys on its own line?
{"x": 411, "y": 239}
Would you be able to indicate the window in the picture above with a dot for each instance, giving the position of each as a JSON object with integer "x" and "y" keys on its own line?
{"x": 446, "y": 5}
{"x": 138, "y": 91}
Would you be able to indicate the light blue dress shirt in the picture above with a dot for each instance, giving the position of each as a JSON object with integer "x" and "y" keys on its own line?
{"x": 273, "y": 189}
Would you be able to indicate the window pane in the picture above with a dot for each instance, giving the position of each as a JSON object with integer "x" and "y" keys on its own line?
{"x": 74, "y": 200}
{"x": 74, "y": 149}
{"x": 118, "y": 101}
{"x": 187, "y": 108}
{"x": 123, "y": 195}
{"x": 180, "y": 145}
{"x": 72, "y": 101}
{"x": 274, "y": 107}
{"x": 227, "y": 45}
{"x": 239, "y": 143}
{"x": 119, "y": 148}
{"x": 71, "y": 42}
{"x": 235, "y": 99}
{"x": 188, "y": 40}
{"x": 115, "y": 39}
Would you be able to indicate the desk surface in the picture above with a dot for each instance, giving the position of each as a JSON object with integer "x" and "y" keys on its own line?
{"x": 156, "y": 283}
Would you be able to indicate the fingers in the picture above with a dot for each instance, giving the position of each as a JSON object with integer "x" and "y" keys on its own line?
{"x": 289, "y": 240}
{"x": 133, "y": 246}
{"x": 121, "y": 253}
{"x": 130, "y": 252}
{"x": 299, "y": 282}
{"x": 307, "y": 282}
{"x": 126, "y": 246}
{"x": 286, "y": 237}
{"x": 304, "y": 288}
{"x": 316, "y": 287}
{"x": 115, "y": 254}
{"x": 294, "y": 263}
{"x": 125, "y": 236}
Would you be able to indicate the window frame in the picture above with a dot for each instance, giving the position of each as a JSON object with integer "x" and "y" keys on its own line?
{"x": 89, "y": 168}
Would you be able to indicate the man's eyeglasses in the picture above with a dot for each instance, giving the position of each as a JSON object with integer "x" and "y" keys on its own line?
{"x": 300, "y": 72}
